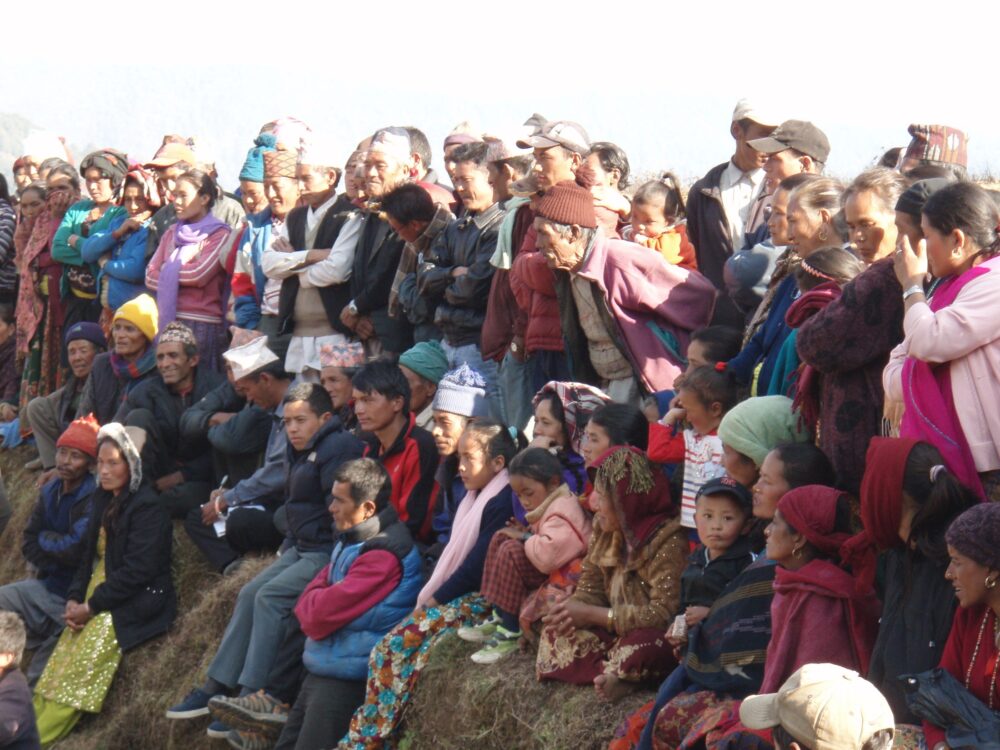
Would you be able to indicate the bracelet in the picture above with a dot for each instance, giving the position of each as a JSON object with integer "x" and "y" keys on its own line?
{"x": 217, "y": 511}
{"x": 611, "y": 620}
{"x": 915, "y": 289}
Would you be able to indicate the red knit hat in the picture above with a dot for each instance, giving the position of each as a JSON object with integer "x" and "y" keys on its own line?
{"x": 568, "y": 203}
{"x": 82, "y": 435}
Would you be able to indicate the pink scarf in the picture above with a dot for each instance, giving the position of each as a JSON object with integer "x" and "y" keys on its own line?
{"x": 464, "y": 533}
{"x": 930, "y": 406}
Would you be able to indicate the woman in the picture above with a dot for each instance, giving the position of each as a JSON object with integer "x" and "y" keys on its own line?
{"x": 814, "y": 221}
{"x": 609, "y": 633}
{"x": 848, "y": 342}
{"x": 908, "y": 500}
{"x": 185, "y": 273}
{"x": 561, "y": 413}
{"x": 103, "y": 172}
{"x": 952, "y": 407}
{"x": 122, "y": 596}
{"x": 119, "y": 250}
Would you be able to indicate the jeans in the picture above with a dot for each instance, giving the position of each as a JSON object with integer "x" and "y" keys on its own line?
{"x": 515, "y": 391}
{"x": 469, "y": 354}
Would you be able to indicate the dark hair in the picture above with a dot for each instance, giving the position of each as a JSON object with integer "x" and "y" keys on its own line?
{"x": 7, "y": 313}
{"x": 891, "y": 157}
{"x": 313, "y": 394}
{"x": 409, "y": 202}
{"x": 835, "y": 263}
{"x": 666, "y": 189}
{"x": 384, "y": 378}
{"x": 624, "y": 423}
{"x": 611, "y": 157}
{"x": 368, "y": 480}
{"x": 804, "y": 464}
{"x": 475, "y": 152}
{"x": 790, "y": 183}
{"x": 520, "y": 165}
{"x": 496, "y": 438}
{"x": 930, "y": 172}
{"x": 721, "y": 343}
{"x": 204, "y": 183}
{"x": 938, "y": 502}
{"x": 537, "y": 464}
{"x": 558, "y": 414}
{"x": 712, "y": 385}
{"x": 65, "y": 169}
{"x": 4, "y": 190}
{"x": 39, "y": 187}
{"x": 419, "y": 144}
{"x": 51, "y": 163}
{"x": 966, "y": 206}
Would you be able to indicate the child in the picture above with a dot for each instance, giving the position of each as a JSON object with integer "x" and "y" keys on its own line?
{"x": 658, "y": 221}
{"x": 704, "y": 396}
{"x": 723, "y": 519}
{"x": 521, "y": 558}
{"x": 17, "y": 716}
{"x": 612, "y": 425}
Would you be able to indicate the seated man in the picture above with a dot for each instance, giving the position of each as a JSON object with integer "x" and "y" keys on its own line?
{"x": 248, "y": 506}
{"x": 53, "y": 542}
{"x": 423, "y": 365}
{"x": 382, "y": 405}
{"x": 369, "y": 586}
{"x": 181, "y": 470}
{"x": 318, "y": 446}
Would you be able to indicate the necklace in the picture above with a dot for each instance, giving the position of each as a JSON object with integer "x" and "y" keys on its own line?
{"x": 975, "y": 656}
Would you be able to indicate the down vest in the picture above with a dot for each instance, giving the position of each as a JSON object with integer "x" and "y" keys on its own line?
{"x": 534, "y": 287}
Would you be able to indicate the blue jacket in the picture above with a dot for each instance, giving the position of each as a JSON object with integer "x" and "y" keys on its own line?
{"x": 246, "y": 308}
{"x": 765, "y": 345}
{"x": 344, "y": 654}
{"x": 126, "y": 267}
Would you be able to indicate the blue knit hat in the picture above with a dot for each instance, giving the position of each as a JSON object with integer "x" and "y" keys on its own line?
{"x": 86, "y": 331}
{"x": 253, "y": 167}
{"x": 462, "y": 391}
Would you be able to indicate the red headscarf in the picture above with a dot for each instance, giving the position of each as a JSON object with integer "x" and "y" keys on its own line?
{"x": 641, "y": 493}
{"x": 812, "y": 511}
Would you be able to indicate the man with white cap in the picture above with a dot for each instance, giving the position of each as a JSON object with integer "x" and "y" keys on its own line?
{"x": 722, "y": 205}
{"x": 823, "y": 707}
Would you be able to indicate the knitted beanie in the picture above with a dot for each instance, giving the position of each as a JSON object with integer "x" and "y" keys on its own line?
{"x": 976, "y": 534}
{"x": 916, "y": 195}
{"x": 82, "y": 435}
{"x": 86, "y": 331}
{"x": 142, "y": 313}
{"x": 758, "y": 425}
{"x": 568, "y": 203}
{"x": 253, "y": 166}
{"x": 462, "y": 391}
{"x": 119, "y": 435}
{"x": 427, "y": 359}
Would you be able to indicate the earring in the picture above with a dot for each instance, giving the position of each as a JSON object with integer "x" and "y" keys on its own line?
{"x": 797, "y": 554}
{"x": 991, "y": 584}
{"x": 822, "y": 234}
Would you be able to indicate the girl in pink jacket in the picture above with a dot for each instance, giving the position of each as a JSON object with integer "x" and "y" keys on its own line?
{"x": 522, "y": 558}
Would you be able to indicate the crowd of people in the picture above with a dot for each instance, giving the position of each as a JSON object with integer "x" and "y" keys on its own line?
{"x": 762, "y": 466}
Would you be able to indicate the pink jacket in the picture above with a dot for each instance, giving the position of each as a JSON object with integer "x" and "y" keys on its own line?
{"x": 966, "y": 336}
{"x": 199, "y": 296}
{"x": 560, "y": 534}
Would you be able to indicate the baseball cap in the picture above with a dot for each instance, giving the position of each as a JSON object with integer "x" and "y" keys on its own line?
{"x": 525, "y": 187}
{"x": 823, "y": 706}
{"x": 565, "y": 133}
{"x": 727, "y": 486}
{"x": 747, "y": 110}
{"x": 798, "y": 134}
{"x": 170, "y": 153}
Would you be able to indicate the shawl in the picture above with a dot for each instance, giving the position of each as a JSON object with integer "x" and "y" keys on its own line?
{"x": 812, "y": 511}
{"x": 578, "y": 401}
{"x": 786, "y": 264}
{"x": 464, "y": 533}
{"x": 130, "y": 372}
{"x": 30, "y": 304}
{"x": 930, "y": 407}
{"x": 187, "y": 241}
{"x": 806, "y": 400}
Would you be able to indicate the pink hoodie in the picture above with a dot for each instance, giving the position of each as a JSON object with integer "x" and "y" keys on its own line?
{"x": 560, "y": 531}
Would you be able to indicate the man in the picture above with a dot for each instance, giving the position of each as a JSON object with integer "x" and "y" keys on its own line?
{"x": 720, "y": 206}
{"x": 796, "y": 146}
{"x": 387, "y": 166}
{"x": 422, "y": 155}
{"x": 318, "y": 447}
{"x": 48, "y": 416}
{"x": 417, "y": 219}
{"x": 626, "y": 315}
{"x": 53, "y": 542}
{"x": 460, "y": 135}
{"x": 423, "y": 366}
{"x": 938, "y": 146}
{"x": 181, "y": 470}
{"x": 382, "y": 405}
{"x": 312, "y": 255}
{"x": 455, "y": 274}
{"x": 246, "y": 508}
{"x": 823, "y": 706}
{"x": 609, "y": 165}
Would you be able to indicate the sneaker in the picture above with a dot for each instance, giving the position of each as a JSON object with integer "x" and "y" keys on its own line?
{"x": 480, "y": 633}
{"x": 195, "y": 704}
{"x": 257, "y": 712}
{"x": 502, "y": 643}
{"x": 217, "y": 730}
{"x": 249, "y": 740}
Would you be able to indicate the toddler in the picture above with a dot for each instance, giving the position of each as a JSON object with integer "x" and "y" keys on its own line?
{"x": 658, "y": 221}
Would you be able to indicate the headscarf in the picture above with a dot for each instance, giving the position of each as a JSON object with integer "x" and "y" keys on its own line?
{"x": 145, "y": 180}
{"x": 118, "y": 434}
{"x": 113, "y": 163}
{"x": 812, "y": 511}
{"x": 758, "y": 425}
{"x": 578, "y": 401}
{"x": 640, "y": 495}
{"x": 976, "y": 534}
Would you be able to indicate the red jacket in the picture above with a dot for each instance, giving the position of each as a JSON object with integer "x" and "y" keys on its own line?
{"x": 504, "y": 317}
{"x": 533, "y": 285}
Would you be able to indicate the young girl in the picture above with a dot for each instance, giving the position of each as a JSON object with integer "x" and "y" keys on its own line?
{"x": 521, "y": 558}
{"x": 612, "y": 425}
{"x": 658, "y": 221}
{"x": 704, "y": 396}
{"x": 185, "y": 273}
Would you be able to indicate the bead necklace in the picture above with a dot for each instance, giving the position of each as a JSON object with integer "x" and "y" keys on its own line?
{"x": 975, "y": 655}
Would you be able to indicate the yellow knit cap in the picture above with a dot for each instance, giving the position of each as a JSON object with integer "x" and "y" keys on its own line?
{"x": 142, "y": 313}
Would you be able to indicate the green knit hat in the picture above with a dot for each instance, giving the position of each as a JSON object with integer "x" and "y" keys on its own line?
{"x": 427, "y": 359}
{"x": 758, "y": 425}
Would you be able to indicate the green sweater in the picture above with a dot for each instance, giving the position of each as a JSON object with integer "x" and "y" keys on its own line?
{"x": 71, "y": 223}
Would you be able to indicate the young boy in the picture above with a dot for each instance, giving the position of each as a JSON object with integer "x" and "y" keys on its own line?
{"x": 17, "y": 717}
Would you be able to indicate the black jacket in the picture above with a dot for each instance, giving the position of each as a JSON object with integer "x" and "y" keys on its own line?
{"x": 138, "y": 589}
{"x": 459, "y": 304}
{"x": 18, "y": 730}
{"x": 104, "y": 392}
{"x": 703, "y": 580}
{"x": 375, "y": 262}
{"x": 245, "y": 433}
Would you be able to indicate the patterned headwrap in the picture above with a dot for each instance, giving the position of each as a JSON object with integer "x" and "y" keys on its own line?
{"x": 350, "y": 354}
{"x": 145, "y": 180}
{"x": 112, "y": 163}
{"x": 280, "y": 163}
{"x": 579, "y": 401}
{"x": 177, "y": 331}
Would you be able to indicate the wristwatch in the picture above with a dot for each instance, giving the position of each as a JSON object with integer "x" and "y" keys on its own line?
{"x": 513, "y": 346}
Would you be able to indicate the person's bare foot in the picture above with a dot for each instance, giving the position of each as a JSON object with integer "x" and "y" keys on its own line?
{"x": 612, "y": 688}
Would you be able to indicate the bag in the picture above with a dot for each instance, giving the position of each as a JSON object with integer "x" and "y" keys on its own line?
{"x": 937, "y": 697}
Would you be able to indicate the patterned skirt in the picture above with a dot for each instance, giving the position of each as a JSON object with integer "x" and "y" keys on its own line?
{"x": 212, "y": 342}
{"x": 642, "y": 655}
{"x": 508, "y": 575}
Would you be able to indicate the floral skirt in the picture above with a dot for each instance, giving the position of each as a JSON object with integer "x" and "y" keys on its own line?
{"x": 641, "y": 655}
{"x": 396, "y": 662}
{"x": 42, "y": 371}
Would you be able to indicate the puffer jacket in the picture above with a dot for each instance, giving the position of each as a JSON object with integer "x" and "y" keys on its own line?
{"x": 459, "y": 303}
{"x": 534, "y": 287}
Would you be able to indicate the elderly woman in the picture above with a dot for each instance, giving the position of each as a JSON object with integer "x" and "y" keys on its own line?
{"x": 609, "y": 633}
{"x": 122, "y": 596}
{"x": 103, "y": 172}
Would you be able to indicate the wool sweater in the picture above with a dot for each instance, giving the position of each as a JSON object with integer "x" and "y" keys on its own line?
{"x": 199, "y": 293}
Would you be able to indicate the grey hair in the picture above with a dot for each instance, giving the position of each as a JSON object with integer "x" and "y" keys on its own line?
{"x": 566, "y": 231}
{"x": 13, "y": 636}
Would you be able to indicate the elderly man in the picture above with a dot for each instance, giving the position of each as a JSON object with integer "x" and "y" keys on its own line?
{"x": 423, "y": 365}
{"x": 626, "y": 316}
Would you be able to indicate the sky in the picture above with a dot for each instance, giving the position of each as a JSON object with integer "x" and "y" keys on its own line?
{"x": 659, "y": 80}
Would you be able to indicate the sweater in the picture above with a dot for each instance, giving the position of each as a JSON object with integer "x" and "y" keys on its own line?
{"x": 123, "y": 275}
{"x": 199, "y": 293}
{"x": 79, "y": 275}
{"x": 764, "y": 347}
{"x": 560, "y": 534}
{"x": 702, "y": 457}
{"x": 8, "y": 268}
{"x": 505, "y": 319}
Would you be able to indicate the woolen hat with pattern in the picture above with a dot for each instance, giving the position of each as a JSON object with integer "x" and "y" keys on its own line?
{"x": 462, "y": 391}
{"x": 280, "y": 163}
{"x": 82, "y": 435}
{"x": 976, "y": 534}
{"x": 939, "y": 143}
{"x": 568, "y": 203}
